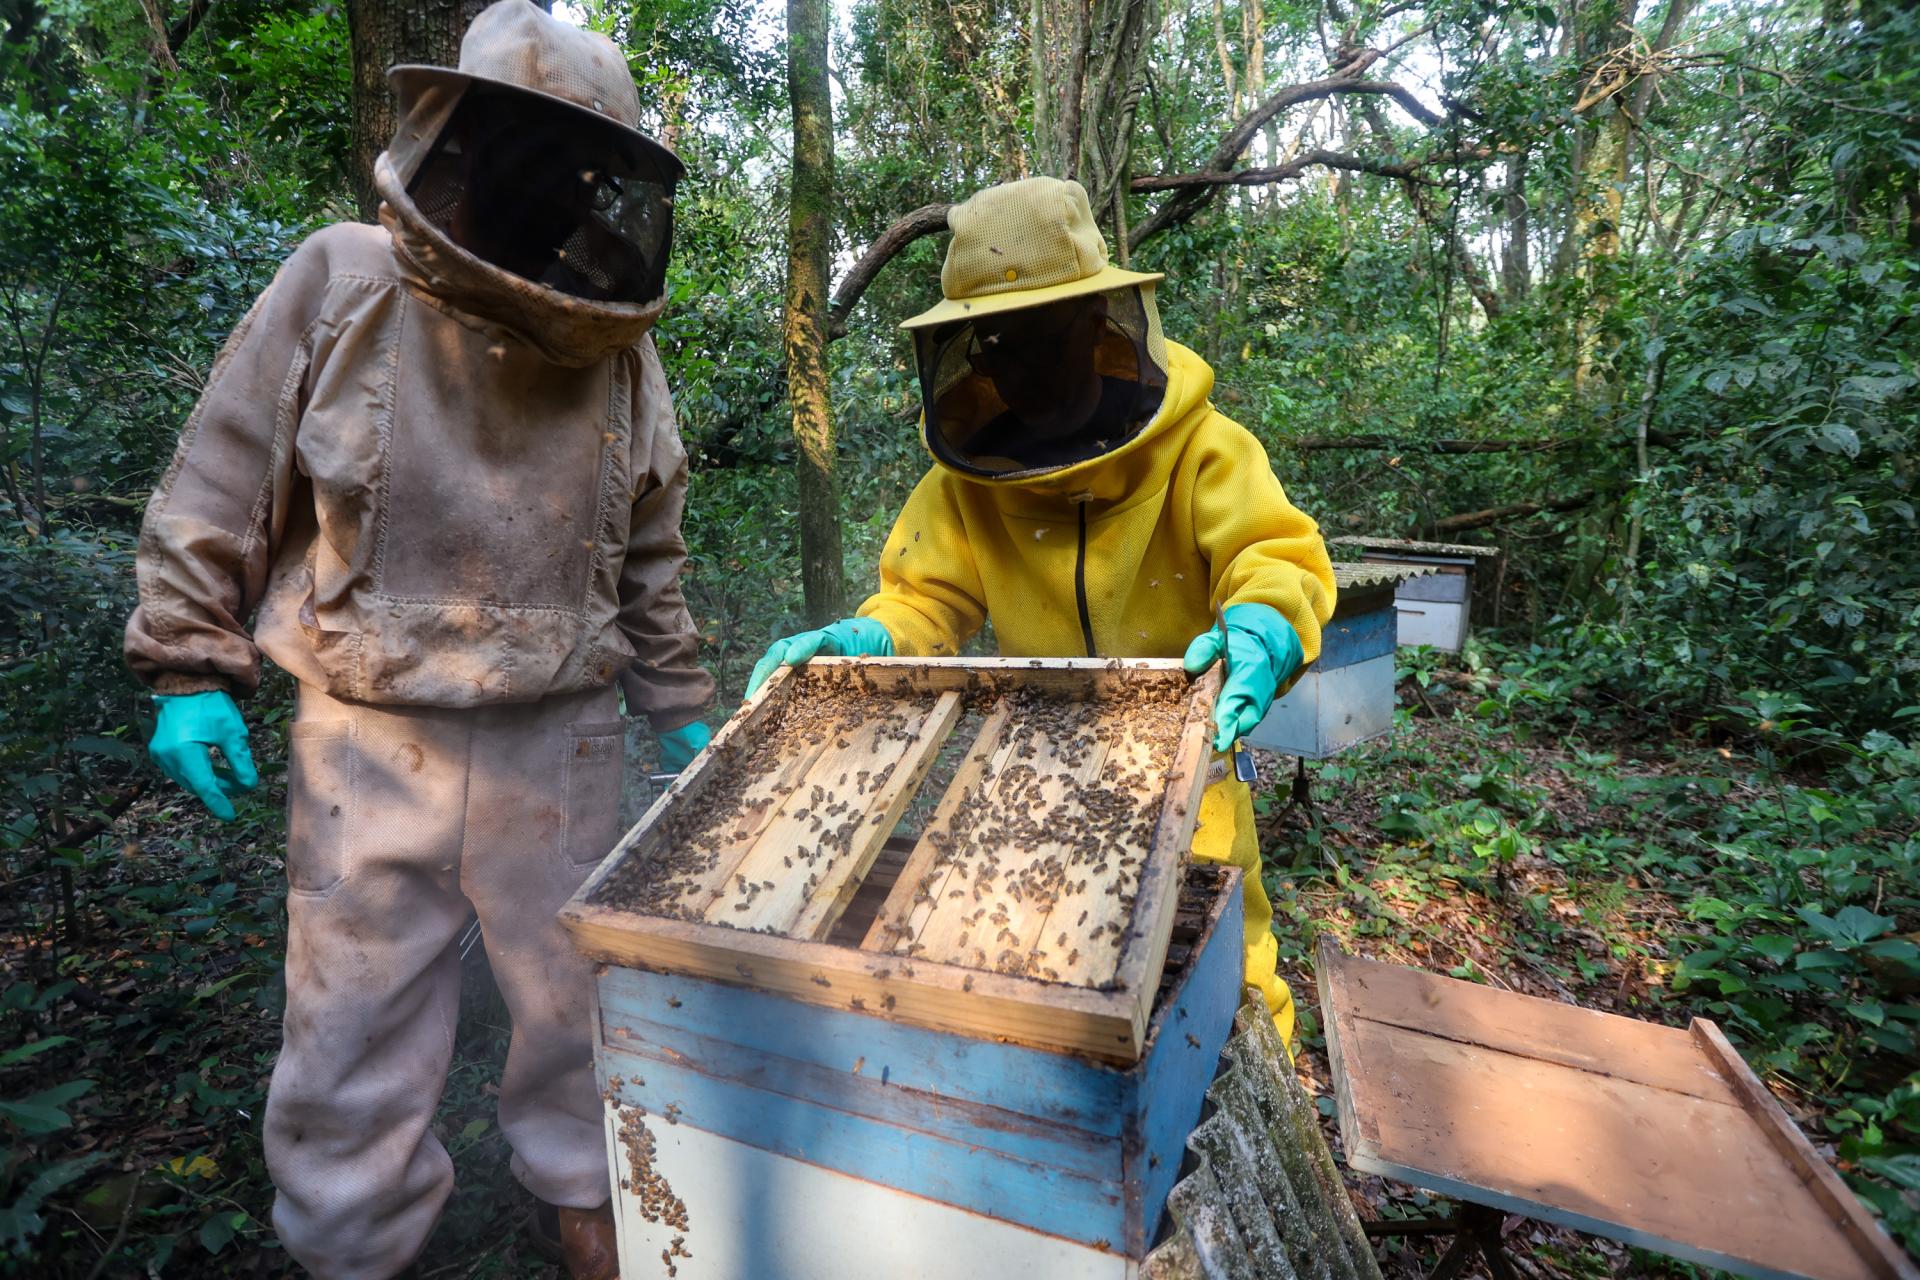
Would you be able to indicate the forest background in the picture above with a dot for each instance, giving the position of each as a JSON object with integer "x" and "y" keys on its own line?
{"x": 1624, "y": 288}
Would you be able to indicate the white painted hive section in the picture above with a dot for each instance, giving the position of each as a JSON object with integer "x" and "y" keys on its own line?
{"x": 754, "y": 1215}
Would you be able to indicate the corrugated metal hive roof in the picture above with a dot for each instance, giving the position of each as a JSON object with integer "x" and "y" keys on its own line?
{"x": 1353, "y": 574}
{"x": 1391, "y": 545}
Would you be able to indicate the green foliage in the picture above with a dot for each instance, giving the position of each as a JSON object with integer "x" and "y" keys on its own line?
{"x": 1675, "y": 781}
{"x": 1783, "y": 903}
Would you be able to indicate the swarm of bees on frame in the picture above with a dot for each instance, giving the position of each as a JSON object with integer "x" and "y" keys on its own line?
{"x": 1036, "y": 868}
{"x": 803, "y": 768}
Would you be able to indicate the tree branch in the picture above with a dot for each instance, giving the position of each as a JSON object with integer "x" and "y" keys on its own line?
{"x": 1312, "y": 444}
{"x": 924, "y": 221}
{"x": 188, "y": 22}
{"x": 1190, "y": 199}
{"x": 1513, "y": 510}
{"x": 1279, "y": 173}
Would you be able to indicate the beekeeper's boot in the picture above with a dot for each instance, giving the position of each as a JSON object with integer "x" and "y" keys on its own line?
{"x": 582, "y": 1240}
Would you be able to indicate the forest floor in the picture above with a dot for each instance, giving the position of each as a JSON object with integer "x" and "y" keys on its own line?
{"x": 1552, "y": 853}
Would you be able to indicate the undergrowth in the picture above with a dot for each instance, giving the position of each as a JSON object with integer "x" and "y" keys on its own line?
{"x": 1523, "y": 828}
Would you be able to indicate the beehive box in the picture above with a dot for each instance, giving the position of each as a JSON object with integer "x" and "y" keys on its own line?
{"x": 752, "y": 1135}
{"x": 1038, "y": 896}
{"x": 1346, "y": 696}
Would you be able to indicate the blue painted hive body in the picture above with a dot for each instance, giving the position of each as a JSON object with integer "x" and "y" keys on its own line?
{"x": 753, "y": 1134}
{"x": 1346, "y": 696}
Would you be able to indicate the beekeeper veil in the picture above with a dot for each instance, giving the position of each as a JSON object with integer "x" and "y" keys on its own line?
{"x": 1041, "y": 355}
{"x": 529, "y": 157}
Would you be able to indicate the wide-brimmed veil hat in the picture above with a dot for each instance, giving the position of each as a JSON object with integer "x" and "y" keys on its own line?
{"x": 517, "y": 46}
{"x": 1019, "y": 245}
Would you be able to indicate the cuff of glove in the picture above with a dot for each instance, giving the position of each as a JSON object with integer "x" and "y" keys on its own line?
{"x": 668, "y": 721}
{"x": 175, "y": 684}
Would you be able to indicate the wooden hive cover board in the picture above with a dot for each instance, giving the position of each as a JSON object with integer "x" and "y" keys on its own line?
{"x": 1625, "y": 1129}
{"x": 742, "y": 868}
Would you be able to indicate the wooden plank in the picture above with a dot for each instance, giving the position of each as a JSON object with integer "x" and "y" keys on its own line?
{"x": 1351, "y": 640}
{"x": 1099, "y": 1024}
{"x": 1880, "y": 1254}
{"x": 656, "y": 1008}
{"x": 693, "y": 781}
{"x": 936, "y": 1166}
{"x": 838, "y": 886}
{"x": 707, "y": 1078}
{"x": 1144, "y": 953}
{"x": 1052, "y": 801}
{"x": 891, "y": 924}
{"x": 953, "y": 870}
{"x": 830, "y": 819}
{"x": 1074, "y": 676}
{"x": 762, "y": 804}
{"x": 1361, "y": 1136}
{"x": 1189, "y": 1029}
{"x": 1614, "y": 1157}
{"x": 1086, "y": 928}
{"x": 1604, "y": 1044}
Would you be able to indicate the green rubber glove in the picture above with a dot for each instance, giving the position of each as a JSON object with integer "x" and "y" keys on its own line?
{"x": 1263, "y": 651}
{"x": 189, "y": 724}
{"x": 847, "y": 638}
{"x": 679, "y": 746}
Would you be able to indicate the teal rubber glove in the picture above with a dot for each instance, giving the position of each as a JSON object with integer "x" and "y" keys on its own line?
{"x": 189, "y": 724}
{"x": 847, "y": 638}
{"x": 679, "y": 746}
{"x": 1263, "y": 652}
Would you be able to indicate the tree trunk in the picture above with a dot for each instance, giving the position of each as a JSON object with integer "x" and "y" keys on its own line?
{"x": 1515, "y": 270}
{"x": 1596, "y": 229}
{"x": 1089, "y": 70}
{"x": 809, "y": 235}
{"x": 385, "y": 33}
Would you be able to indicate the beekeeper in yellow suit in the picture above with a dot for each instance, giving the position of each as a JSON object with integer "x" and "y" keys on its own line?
{"x": 1087, "y": 497}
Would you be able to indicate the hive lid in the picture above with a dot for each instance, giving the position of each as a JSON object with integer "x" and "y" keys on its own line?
{"x": 1351, "y": 575}
{"x": 1408, "y": 547}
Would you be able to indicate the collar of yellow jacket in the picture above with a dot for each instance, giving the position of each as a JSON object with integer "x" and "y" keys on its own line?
{"x": 1136, "y": 470}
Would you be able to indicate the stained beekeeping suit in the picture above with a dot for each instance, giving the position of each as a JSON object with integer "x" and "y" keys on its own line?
{"x": 1088, "y": 499}
{"x": 438, "y": 460}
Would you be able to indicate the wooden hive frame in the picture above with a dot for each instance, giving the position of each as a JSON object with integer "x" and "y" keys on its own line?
{"x": 774, "y": 936}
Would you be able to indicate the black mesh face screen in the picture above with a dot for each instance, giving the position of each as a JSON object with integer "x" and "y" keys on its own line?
{"x": 1015, "y": 393}
{"x": 551, "y": 195}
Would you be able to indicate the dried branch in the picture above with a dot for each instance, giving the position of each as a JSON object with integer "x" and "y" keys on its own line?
{"x": 1279, "y": 173}
{"x": 924, "y": 221}
{"x": 1393, "y": 444}
{"x": 1190, "y": 199}
{"x": 1512, "y": 511}
{"x": 1390, "y": 444}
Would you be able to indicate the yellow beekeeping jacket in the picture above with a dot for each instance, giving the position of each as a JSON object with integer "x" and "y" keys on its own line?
{"x": 1124, "y": 555}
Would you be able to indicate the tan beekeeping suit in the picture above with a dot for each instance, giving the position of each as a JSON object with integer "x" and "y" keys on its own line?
{"x": 439, "y": 484}
{"x": 453, "y": 498}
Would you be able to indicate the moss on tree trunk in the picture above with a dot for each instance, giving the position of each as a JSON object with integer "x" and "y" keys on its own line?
{"x": 809, "y": 234}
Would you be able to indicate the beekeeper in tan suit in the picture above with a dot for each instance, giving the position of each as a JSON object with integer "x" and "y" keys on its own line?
{"x": 439, "y": 460}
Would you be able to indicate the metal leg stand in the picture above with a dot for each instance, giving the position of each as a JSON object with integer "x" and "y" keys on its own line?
{"x": 1475, "y": 1229}
{"x": 1302, "y": 796}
